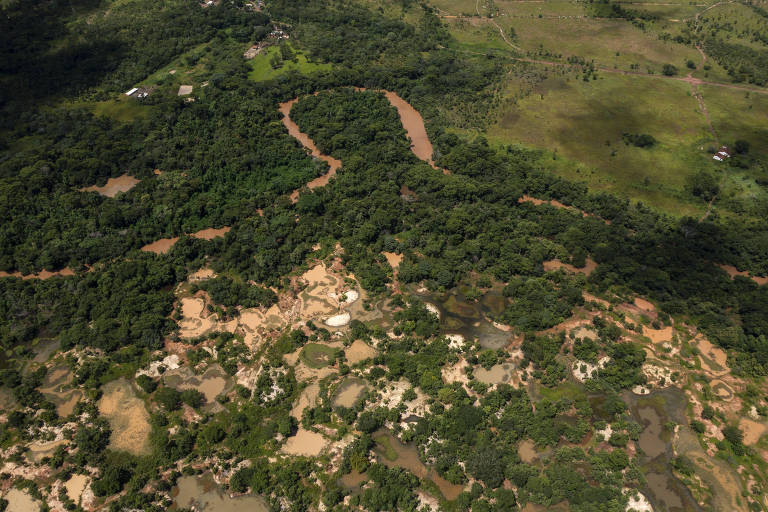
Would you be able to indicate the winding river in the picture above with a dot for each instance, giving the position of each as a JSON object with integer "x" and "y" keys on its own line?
{"x": 409, "y": 116}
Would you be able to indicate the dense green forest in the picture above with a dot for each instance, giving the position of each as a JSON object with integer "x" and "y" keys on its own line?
{"x": 226, "y": 159}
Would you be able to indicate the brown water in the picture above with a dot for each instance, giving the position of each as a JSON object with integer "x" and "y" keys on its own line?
{"x": 408, "y": 458}
{"x": 114, "y": 186}
{"x": 293, "y": 130}
{"x": 349, "y": 392}
{"x": 202, "y": 493}
{"x": 664, "y": 490}
{"x": 409, "y": 116}
{"x": 211, "y": 383}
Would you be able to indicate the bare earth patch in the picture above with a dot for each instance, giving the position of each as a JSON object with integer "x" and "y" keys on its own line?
{"x": 114, "y": 186}
{"x": 305, "y": 442}
{"x": 127, "y": 417}
{"x": 161, "y": 246}
{"x": 359, "y": 351}
{"x": 752, "y": 429}
{"x": 551, "y": 265}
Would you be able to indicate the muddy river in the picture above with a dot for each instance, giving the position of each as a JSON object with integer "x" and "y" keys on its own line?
{"x": 409, "y": 116}
{"x": 407, "y": 457}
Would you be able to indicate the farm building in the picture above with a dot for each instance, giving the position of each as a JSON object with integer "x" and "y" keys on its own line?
{"x": 138, "y": 92}
{"x": 723, "y": 153}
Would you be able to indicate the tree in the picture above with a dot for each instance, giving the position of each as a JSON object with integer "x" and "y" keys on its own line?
{"x": 169, "y": 398}
{"x": 669, "y": 70}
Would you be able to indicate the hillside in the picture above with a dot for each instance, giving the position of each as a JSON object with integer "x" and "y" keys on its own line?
{"x": 355, "y": 255}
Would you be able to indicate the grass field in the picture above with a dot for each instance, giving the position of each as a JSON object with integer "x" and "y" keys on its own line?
{"x": 315, "y": 355}
{"x": 584, "y": 122}
{"x": 263, "y": 70}
{"x": 580, "y": 124}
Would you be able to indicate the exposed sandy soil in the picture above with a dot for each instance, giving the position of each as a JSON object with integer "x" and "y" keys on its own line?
{"x": 193, "y": 322}
{"x": 127, "y": 417}
{"x": 644, "y": 305}
{"x": 306, "y": 443}
{"x": 527, "y": 451}
{"x": 659, "y": 335}
{"x": 43, "y": 274}
{"x": 39, "y": 450}
{"x": 551, "y": 265}
{"x": 752, "y": 429}
{"x": 556, "y": 204}
{"x": 161, "y": 246}
{"x": 114, "y": 186}
{"x": 716, "y": 354}
{"x": 20, "y": 501}
{"x": 393, "y": 259}
{"x": 721, "y": 389}
{"x": 733, "y": 271}
{"x": 75, "y": 487}
{"x": 359, "y": 351}
{"x": 308, "y": 398}
{"x": 591, "y": 298}
{"x": 211, "y": 233}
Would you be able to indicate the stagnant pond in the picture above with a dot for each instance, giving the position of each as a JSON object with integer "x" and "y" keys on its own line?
{"x": 657, "y": 443}
{"x": 459, "y": 315}
{"x": 202, "y": 493}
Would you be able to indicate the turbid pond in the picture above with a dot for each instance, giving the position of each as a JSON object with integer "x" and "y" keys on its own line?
{"x": 203, "y": 494}
{"x": 349, "y": 392}
{"x": 658, "y": 445}
{"x": 471, "y": 319}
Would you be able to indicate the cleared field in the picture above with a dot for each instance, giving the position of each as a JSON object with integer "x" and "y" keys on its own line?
{"x": 737, "y": 115}
{"x": 585, "y": 121}
{"x": 262, "y": 68}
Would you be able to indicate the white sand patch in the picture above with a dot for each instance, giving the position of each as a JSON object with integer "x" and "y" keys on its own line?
{"x": 185, "y": 89}
{"x": 637, "y": 501}
{"x": 455, "y": 341}
{"x": 202, "y": 274}
{"x": 432, "y": 309}
{"x": 344, "y": 298}
{"x": 641, "y": 390}
{"x": 338, "y": 320}
{"x": 170, "y": 362}
{"x": 657, "y": 375}
{"x": 583, "y": 370}
{"x": 605, "y": 433}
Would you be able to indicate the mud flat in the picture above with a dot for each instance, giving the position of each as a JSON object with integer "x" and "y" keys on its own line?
{"x": 203, "y": 494}
{"x": 306, "y": 443}
{"x": 527, "y": 451}
{"x": 38, "y": 451}
{"x": 349, "y": 392}
{"x": 127, "y": 416}
{"x": 308, "y": 398}
{"x": 499, "y": 373}
{"x": 114, "y": 186}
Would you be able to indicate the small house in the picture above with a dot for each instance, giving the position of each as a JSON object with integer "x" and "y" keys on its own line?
{"x": 723, "y": 153}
